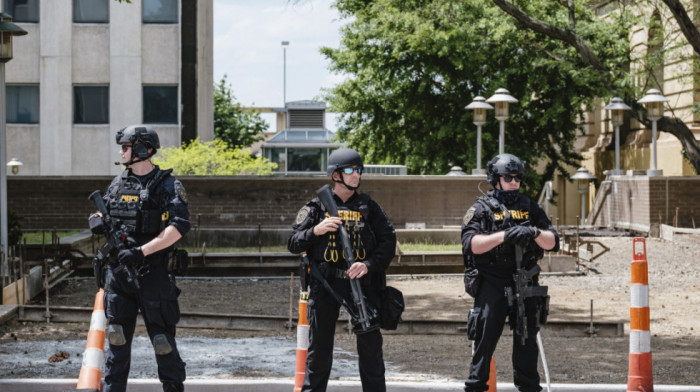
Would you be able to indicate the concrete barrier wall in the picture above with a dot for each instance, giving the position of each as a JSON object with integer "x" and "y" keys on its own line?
{"x": 225, "y": 202}
{"x": 436, "y": 201}
{"x": 643, "y": 201}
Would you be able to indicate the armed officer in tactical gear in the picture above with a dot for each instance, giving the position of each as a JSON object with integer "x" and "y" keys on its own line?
{"x": 373, "y": 241}
{"x": 152, "y": 207}
{"x": 491, "y": 230}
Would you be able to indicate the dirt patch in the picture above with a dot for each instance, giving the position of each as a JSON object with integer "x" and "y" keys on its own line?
{"x": 674, "y": 290}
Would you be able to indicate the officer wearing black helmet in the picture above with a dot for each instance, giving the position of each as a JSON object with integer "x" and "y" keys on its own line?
{"x": 491, "y": 229}
{"x": 152, "y": 206}
{"x": 374, "y": 243}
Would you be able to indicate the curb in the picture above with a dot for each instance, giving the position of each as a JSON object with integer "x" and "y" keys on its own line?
{"x": 285, "y": 385}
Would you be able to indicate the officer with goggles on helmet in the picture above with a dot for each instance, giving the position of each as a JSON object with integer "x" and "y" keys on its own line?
{"x": 151, "y": 206}
{"x": 491, "y": 229}
{"x": 374, "y": 242}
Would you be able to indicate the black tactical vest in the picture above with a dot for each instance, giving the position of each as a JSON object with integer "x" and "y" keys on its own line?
{"x": 355, "y": 216}
{"x": 500, "y": 218}
{"x": 136, "y": 205}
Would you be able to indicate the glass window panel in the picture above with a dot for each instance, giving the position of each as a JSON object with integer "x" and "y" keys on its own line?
{"x": 160, "y": 11}
{"x": 160, "y": 104}
{"x": 22, "y": 10}
{"x": 296, "y": 135}
{"x": 91, "y": 104}
{"x": 306, "y": 159}
{"x": 22, "y": 104}
{"x": 278, "y": 137}
{"x": 317, "y": 135}
{"x": 278, "y": 156}
{"x": 91, "y": 11}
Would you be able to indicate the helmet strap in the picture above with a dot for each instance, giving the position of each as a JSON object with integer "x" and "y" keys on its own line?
{"x": 133, "y": 160}
{"x": 342, "y": 181}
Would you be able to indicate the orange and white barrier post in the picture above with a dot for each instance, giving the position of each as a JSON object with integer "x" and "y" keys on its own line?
{"x": 302, "y": 341}
{"x": 491, "y": 383}
{"x": 640, "y": 377}
{"x": 90, "y": 378}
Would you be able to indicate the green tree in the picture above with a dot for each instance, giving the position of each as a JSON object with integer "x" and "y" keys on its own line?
{"x": 414, "y": 65}
{"x": 232, "y": 123}
{"x": 213, "y": 158}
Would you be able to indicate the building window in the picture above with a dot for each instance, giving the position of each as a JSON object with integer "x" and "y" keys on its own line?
{"x": 22, "y": 104}
{"x": 160, "y": 11}
{"x": 91, "y": 104}
{"x": 306, "y": 159}
{"x": 278, "y": 156}
{"x": 22, "y": 10}
{"x": 160, "y": 104}
{"x": 91, "y": 11}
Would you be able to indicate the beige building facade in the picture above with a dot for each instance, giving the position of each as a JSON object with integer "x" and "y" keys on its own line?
{"x": 674, "y": 77}
{"x": 87, "y": 68}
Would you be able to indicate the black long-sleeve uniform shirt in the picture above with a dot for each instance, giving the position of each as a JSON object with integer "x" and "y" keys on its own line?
{"x": 373, "y": 237}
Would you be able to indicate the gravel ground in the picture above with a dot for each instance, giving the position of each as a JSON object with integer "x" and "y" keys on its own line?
{"x": 674, "y": 287}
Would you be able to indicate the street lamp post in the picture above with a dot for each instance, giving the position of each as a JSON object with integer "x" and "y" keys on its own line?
{"x": 7, "y": 31}
{"x": 617, "y": 116}
{"x": 501, "y": 98}
{"x": 583, "y": 177}
{"x": 14, "y": 165}
{"x": 654, "y": 101}
{"x": 480, "y": 107}
{"x": 284, "y": 72}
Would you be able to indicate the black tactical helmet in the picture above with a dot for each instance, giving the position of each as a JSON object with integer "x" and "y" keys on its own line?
{"x": 343, "y": 157}
{"x": 504, "y": 164}
{"x": 141, "y": 137}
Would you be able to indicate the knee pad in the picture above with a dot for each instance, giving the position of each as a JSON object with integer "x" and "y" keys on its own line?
{"x": 115, "y": 335}
{"x": 161, "y": 345}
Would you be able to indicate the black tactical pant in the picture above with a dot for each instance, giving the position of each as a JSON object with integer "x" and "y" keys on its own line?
{"x": 157, "y": 301}
{"x": 486, "y": 322}
{"x": 322, "y": 314}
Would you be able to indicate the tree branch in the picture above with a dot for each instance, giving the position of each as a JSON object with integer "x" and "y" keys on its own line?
{"x": 685, "y": 23}
{"x": 565, "y": 35}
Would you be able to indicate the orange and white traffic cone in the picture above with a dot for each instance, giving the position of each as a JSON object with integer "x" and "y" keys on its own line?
{"x": 90, "y": 378}
{"x": 640, "y": 377}
{"x": 491, "y": 383}
{"x": 302, "y": 341}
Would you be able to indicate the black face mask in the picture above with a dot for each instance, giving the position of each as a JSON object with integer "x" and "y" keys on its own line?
{"x": 506, "y": 197}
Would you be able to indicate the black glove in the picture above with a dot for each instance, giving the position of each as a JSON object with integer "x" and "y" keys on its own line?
{"x": 96, "y": 224}
{"x": 131, "y": 256}
{"x": 519, "y": 235}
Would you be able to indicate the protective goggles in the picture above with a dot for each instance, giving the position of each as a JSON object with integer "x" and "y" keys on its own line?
{"x": 509, "y": 178}
{"x": 349, "y": 170}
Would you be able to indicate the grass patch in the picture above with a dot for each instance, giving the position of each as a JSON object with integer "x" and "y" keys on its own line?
{"x": 407, "y": 247}
{"x": 429, "y": 247}
{"x": 35, "y": 237}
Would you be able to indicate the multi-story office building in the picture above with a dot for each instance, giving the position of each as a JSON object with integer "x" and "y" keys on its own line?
{"x": 87, "y": 68}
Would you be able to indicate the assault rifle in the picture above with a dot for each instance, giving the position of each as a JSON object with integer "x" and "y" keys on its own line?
{"x": 116, "y": 237}
{"x": 364, "y": 315}
{"x": 517, "y": 294}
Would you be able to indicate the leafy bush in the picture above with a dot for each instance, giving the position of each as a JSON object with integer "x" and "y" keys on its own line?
{"x": 213, "y": 158}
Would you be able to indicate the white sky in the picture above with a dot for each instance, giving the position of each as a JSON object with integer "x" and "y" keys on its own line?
{"x": 247, "y": 48}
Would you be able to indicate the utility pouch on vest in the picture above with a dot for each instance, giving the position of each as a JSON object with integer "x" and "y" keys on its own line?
{"x": 98, "y": 269}
{"x": 392, "y": 307}
{"x": 472, "y": 281}
{"x": 178, "y": 262}
{"x": 543, "y": 309}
